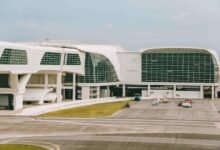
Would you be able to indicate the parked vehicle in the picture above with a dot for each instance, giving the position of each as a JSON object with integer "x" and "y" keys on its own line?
{"x": 155, "y": 101}
{"x": 188, "y": 100}
{"x": 180, "y": 104}
{"x": 163, "y": 100}
{"x": 186, "y": 104}
{"x": 137, "y": 97}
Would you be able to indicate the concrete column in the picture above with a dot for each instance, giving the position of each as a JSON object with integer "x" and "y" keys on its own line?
{"x": 123, "y": 90}
{"x": 201, "y": 92}
{"x": 18, "y": 101}
{"x": 216, "y": 93}
{"x": 17, "y": 97}
{"x": 14, "y": 83}
{"x": 148, "y": 89}
{"x": 45, "y": 81}
{"x": 20, "y": 86}
{"x": 74, "y": 86}
{"x": 174, "y": 91}
{"x": 59, "y": 87}
{"x": 98, "y": 91}
{"x": 213, "y": 92}
{"x": 108, "y": 94}
{"x": 85, "y": 92}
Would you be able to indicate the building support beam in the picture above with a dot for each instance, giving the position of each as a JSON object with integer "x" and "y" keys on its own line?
{"x": 59, "y": 87}
{"x": 45, "y": 80}
{"x": 213, "y": 92}
{"x": 14, "y": 81}
{"x": 174, "y": 91}
{"x": 19, "y": 84}
{"x": 98, "y": 91}
{"x": 18, "y": 101}
{"x": 74, "y": 86}
{"x": 201, "y": 92}
{"x": 149, "y": 90}
{"x": 216, "y": 93}
{"x": 123, "y": 90}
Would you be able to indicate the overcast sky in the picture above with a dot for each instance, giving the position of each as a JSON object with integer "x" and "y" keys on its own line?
{"x": 133, "y": 24}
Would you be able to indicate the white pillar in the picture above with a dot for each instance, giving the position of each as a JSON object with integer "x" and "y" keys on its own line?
{"x": 74, "y": 86}
{"x": 201, "y": 92}
{"x": 174, "y": 91}
{"x": 14, "y": 83}
{"x": 45, "y": 81}
{"x": 123, "y": 90}
{"x": 213, "y": 92}
{"x": 216, "y": 93}
{"x": 59, "y": 87}
{"x": 85, "y": 92}
{"x": 20, "y": 86}
{"x": 18, "y": 101}
{"x": 98, "y": 91}
{"x": 108, "y": 92}
{"x": 148, "y": 89}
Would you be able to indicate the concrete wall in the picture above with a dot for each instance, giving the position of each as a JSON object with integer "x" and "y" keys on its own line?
{"x": 144, "y": 93}
{"x": 162, "y": 93}
{"x": 130, "y": 67}
{"x": 85, "y": 92}
{"x": 104, "y": 93}
{"x": 178, "y": 94}
{"x": 188, "y": 94}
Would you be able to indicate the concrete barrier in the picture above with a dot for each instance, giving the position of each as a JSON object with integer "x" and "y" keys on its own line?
{"x": 34, "y": 111}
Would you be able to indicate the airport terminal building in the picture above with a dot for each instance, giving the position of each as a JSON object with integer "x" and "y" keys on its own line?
{"x": 56, "y": 71}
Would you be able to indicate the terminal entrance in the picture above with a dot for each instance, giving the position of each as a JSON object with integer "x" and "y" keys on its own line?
{"x": 68, "y": 94}
{"x": 116, "y": 91}
{"x": 133, "y": 90}
{"x": 218, "y": 94}
{"x": 207, "y": 90}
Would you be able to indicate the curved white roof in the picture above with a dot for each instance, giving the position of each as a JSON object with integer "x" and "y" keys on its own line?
{"x": 109, "y": 51}
{"x": 35, "y": 53}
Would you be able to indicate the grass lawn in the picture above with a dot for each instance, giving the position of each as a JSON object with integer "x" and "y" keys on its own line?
{"x": 96, "y": 110}
{"x": 19, "y": 147}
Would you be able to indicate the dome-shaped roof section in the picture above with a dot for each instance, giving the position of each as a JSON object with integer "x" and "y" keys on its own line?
{"x": 100, "y": 48}
{"x": 109, "y": 51}
{"x": 181, "y": 49}
{"x": 185, "y": 49}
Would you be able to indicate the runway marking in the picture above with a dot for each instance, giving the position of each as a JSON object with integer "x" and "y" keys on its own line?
{"x": 56, "y": 147}
{"x": 204, "y": 142}
{"x": 96, "y": 124}
{"x": 150, "y": 122}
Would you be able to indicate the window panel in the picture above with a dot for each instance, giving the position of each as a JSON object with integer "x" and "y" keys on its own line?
{"x": 177, "y": 67}
{"x": 51, "y": 58}
{"x": 98, "y": 69}
{"x": 14, "y": 57}
{"x": 73, "y": 59}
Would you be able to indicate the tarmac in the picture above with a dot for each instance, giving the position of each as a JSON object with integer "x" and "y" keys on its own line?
{"x": 140, "y": 127}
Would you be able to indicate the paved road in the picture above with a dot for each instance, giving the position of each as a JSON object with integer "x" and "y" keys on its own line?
{"x": 141, "y": 127}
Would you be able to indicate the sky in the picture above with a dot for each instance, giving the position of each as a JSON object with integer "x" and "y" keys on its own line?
{"x": 133, "y": 24}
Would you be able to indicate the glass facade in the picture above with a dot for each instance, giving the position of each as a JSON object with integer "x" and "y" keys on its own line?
{"x": 98, "y": 69}
{"x": 51, "y": 58}
{"x": 178, "y": 67}
{"x": 14, "y": 57}
{"x": 73, "y": 59}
